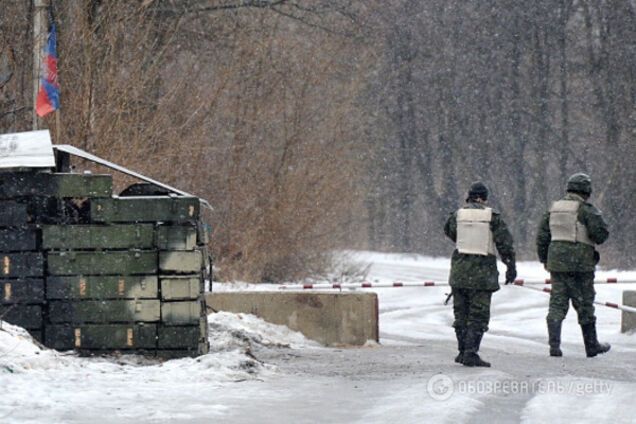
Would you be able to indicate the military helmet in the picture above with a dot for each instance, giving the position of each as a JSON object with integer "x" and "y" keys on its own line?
{"x": 580, "y": 183}
{"x": 478, "y": 189}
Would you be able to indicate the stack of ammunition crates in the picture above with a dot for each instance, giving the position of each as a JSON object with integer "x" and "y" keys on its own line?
{"x": 21, "y": 266}
{"x": 28, "y": 200}
{"x": 99, "y": 273}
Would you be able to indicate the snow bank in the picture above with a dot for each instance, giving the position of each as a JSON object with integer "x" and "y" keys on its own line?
{"x": 228, "y": 330}
{"x": 20, "y": 353}
{"x": 232, "y": 338}
{"x": 64, "y": 387}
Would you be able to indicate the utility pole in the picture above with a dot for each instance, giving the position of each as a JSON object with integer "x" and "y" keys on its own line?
{"x": 40, "y": 24}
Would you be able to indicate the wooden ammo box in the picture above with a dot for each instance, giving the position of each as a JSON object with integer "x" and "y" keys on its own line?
{"x": 13, "y": 213}
{"x": 21, "y": 264}
{"x": 102, "y": 337}
{"x": 23, "y": 211}
{"x": 104, "y": 311}
{"x": 181, "y": 287}
{"x": 26, "y": 316}
{"x": 182, "y": 312}
{"x": 26, "y": 291}
{"x": 58, "y": 185}
{"x": 176, "y": 237}
{"x": 103, "y": 287}
{"x": 180, "y": 261}
{"x": 175, "y": 342}
{"x": 102, "y": 263}
{"x": 145, "y": 209}
{"x": 90, "y": 237}
{"x": 190, "y": 337}
{"x": 18, "y": 239}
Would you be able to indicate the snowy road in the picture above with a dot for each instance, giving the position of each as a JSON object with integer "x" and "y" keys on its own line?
{"x": 390, "y": 384}
{"x": 409, "y": 378}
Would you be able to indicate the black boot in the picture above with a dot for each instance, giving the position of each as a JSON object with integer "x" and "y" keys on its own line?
{"x": 472, "y": 340}
{"x": 554, "y": 337}
{"x": 460, "y": 332}
{"x": 592, "y": 346}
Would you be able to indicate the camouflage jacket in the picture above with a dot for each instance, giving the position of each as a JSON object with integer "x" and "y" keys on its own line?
{"x": 565, "y": 256}
{"x": 478, "y": 271}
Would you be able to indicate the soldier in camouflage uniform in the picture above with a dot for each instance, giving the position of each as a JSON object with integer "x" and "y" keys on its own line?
{"x": 566, "y": 243}
{"x": 476, "y": 230}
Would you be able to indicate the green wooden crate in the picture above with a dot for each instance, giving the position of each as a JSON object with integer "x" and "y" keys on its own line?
{"x": 145, "y": 209}
{"x": 102, "y": 287}
{"x": 23, "y": 264}
{"x": 18, "y": 239}
{"x": 180, "y": 288}
{"x": 193, "y": 338}
{"x": 59, "y": 185}
{"x": 13, "y": 213}
{"x": 135, "y": 236}
{"x": 107, "y": 336}
{"x": 182, "y": 313}
{"x": 181, "y": 262}
{"x": 176, "y": 237}
{"x": 178, "y": 337}
{"x": 104, "y": 311}
{"x": 26, "y": 316}
{"x": 102, "y": 263}
{"x": 22, "y": 291}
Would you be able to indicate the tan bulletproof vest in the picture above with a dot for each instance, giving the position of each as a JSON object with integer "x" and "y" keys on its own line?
{"x": 564, "y": 223}
{"x": 474, "y": 236}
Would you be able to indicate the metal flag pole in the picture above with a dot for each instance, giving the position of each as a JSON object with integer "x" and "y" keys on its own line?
{"x": 39, "y": 38}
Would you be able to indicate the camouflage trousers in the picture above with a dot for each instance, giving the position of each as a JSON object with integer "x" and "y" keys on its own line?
{"x": 577, "y": 287}
{"x": 471, "y": 308}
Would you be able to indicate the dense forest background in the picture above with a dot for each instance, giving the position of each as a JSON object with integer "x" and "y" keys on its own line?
{"x": 313, "y": 125}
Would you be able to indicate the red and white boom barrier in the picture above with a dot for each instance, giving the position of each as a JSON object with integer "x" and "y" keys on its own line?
{"x": 528, "y": 284}
{"x": 610, "y": 280}
{"x": 367, "y": 285}
{"x": 596, "y": 302}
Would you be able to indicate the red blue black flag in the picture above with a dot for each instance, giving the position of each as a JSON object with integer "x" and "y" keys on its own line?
{"x": 48, "y": 98}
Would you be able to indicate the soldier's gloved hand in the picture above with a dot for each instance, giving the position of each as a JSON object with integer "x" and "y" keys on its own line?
{"x": 511, "y": 274}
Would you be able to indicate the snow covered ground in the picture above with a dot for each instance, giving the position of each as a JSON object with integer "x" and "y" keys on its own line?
{"x": 39, "y": 385}
{"x": 259, "y": 372}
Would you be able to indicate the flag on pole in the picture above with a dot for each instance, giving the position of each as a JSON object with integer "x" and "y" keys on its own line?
{"x": 48, "y": 99}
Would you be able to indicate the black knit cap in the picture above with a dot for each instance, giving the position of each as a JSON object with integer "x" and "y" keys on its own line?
{"x": 478, "y": 190}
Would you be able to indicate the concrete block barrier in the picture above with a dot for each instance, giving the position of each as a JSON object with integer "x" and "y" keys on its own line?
{"x": 628, "y": 319}
{"x": 332, "y": 319}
